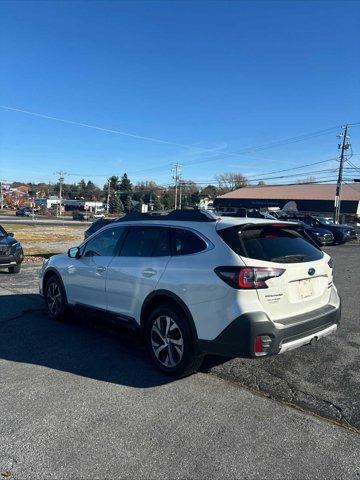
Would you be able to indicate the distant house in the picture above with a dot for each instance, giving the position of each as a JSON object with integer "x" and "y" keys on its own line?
{"x": 47, "y": 202}
{"x": 23, "y": 189}
{"x": 311, "y": 198}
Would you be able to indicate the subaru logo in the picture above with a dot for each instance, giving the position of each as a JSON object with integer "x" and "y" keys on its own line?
{"x": 311, "y": 271}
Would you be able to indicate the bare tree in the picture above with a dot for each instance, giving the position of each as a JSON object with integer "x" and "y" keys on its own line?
{"x": 307, "y": 180}
{"x": 231, "y": 181}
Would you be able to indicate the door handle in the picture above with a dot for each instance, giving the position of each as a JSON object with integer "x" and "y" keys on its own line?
{"x": 100, "y": 269}
{"x": 149, "y": 272}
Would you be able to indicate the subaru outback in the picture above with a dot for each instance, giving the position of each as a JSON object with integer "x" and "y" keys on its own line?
{"x": 197, "y": 284}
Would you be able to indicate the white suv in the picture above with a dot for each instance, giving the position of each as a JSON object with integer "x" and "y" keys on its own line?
{"x": 197, "y": 284}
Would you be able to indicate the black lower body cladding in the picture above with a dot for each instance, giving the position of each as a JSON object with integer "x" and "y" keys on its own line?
{"x": 238, "y": 338}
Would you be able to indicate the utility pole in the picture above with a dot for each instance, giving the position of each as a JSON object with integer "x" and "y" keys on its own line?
{"x": 344, "y": 145}
{"x": 180, "y": 193}
{"x": 61, "y": 181}
{"x": 2, "y": 189}
{"x": 108, "y": 198}
{"x": 176, "y": 177}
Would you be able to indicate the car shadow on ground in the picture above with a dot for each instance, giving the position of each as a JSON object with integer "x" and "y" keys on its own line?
{"x": 81, "y": 346}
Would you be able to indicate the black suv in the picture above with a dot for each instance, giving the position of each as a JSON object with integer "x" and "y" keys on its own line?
{"x": 11, "y": 252}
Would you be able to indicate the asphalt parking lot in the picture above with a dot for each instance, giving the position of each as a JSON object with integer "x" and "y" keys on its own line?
{"x": 82, "y": 401}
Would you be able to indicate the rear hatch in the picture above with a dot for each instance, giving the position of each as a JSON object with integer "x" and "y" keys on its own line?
{"x": 306, "y": 279}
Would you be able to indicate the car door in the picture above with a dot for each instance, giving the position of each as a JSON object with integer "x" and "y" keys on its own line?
{"x": 137, "y": 270}
{"x": 86, "y": 276}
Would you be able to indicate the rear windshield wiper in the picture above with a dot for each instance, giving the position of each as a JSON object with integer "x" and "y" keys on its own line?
{"x": 290, "y": 258}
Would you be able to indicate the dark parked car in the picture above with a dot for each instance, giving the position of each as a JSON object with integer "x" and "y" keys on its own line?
{"x": 11, "y": 252}
{"x": 321, "y": 236}
{"x": 96, "y": 226}
{"x": 23, "y": 212}
{"x": 342, "y": 233}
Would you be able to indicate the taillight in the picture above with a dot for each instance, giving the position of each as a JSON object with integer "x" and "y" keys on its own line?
{"x": 247, "y": 277}
{"x": 262, "y": 345}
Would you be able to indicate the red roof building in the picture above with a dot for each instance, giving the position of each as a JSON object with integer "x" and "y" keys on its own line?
{"x": 313, "y": 197}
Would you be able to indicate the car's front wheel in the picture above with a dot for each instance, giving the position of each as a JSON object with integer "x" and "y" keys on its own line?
{"x": 55, "y": 298}
{"x": 170, "y": 342}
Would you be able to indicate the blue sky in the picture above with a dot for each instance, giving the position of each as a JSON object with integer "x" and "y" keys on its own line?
{"x": 216, "y": 76}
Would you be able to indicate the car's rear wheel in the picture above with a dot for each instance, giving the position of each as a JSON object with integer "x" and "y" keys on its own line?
{"x": 55, "y": 298}
{"x": 170, "y": 342}
{"x": 15, "y": 269}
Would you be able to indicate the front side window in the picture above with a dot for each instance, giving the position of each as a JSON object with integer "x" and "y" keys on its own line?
{"x": 104, "y": 244}
{"x": 146, "y": 242}
{"x": 185, "y": 242}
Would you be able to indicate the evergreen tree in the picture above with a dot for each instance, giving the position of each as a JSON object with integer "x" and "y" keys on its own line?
{"x": 125, "y": 192}
{"x": 82, "y": 188}
{"x": 127, "y": 204}
{"x": 157, "y": 203}
{"x": 138, "y": 206}
{"x": 115, "y": 204}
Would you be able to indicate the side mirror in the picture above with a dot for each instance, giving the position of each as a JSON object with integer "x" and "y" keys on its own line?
{"x": 74, "y": 252}
{"x": 10, "y": 234}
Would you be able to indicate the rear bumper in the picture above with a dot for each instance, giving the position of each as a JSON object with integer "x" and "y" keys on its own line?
{"x": 238, "y": 338}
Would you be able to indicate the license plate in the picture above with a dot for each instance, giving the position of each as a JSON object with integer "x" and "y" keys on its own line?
{"x": 305, "y": 288}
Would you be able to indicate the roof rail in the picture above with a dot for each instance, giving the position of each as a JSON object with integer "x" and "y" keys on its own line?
{"x": 173, "y": 215}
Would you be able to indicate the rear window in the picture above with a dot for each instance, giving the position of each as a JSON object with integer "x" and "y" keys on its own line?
{"x": 271, "y": 244}
{"x": 184, "y": 242}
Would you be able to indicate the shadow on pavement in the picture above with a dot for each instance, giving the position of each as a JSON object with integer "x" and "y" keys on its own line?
{"x": 79, "y": 346}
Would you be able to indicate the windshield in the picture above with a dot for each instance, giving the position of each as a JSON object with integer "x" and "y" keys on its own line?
{"x": 325, "y": 220}
{"x": 271, "y": 243}
{"x": 2, "y": 232}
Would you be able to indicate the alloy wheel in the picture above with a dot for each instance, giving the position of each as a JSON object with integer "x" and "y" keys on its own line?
{"x": 54, "y": 298}
{"x": 167, "y": 341}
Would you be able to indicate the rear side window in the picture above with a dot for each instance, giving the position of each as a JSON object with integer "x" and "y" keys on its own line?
{"x": 184, "y": 242}
{"x": 271, "y": 244}
{"x": 146, "y": 242}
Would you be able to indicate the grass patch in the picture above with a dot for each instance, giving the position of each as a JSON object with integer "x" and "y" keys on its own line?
{"x": 42, "y": 240}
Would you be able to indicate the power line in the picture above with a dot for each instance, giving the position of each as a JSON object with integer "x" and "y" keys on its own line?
{"x": 298, "y": 168}
{"x": 167, "y": 142}
{"x": 354, "y": 166}
{"x": 267, "y": 173}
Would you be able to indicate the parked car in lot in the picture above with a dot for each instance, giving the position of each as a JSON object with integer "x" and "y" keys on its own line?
{"x": 23, "y": 212}
{"x": 82, "y": 216}
{"x": 320, "y": 235}
{"x": 11, "y": 252}
{"x": 342, "y": 232}
{"x": 196, "y": 284}
{"x": 94, "y": 227}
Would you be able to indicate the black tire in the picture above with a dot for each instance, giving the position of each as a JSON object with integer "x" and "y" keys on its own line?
{"x": 166, "y": 350}
{"x": 55, "y": 298}
{"x": 15, "y": 269}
